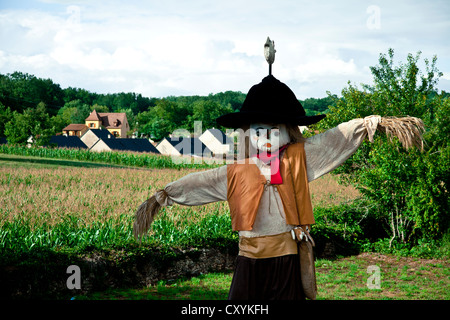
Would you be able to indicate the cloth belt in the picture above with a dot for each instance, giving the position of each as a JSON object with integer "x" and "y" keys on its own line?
{"x": 267, "y": 246}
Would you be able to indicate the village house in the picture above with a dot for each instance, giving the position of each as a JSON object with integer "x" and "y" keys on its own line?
{"x": 172, "y": 146}
{"x": 75, "y": 129}
{"x": 63, "y": 141}
{"x": 92, "y": 136}
{"x": 102, "y": 140}
{"x": 216, "y": 141}
{"x": 115, "y": 123}
{"x": 124, "y": 144}
{"x": 167, "y": 148}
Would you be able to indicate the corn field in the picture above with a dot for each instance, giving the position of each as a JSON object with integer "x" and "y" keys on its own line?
{"x": 73, "y": 208}
{"x": 132, "y": 159}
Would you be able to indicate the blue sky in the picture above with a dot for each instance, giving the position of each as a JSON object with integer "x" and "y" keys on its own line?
{"x": 162, "y": 48}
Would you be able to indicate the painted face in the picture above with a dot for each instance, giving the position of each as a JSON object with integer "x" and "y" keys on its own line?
{"x": 267, "y": 137}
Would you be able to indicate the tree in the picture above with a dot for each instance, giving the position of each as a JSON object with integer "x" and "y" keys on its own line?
{"x": 18, "y": 129}
{"x": 84, "y": 96}
{"x": 315, "y": 106}
{"x": 428, "y": 200}
{"x": 100, "y": 108}
{"x": 162, "y": 119}
{"x": 5, "y": 117}
{"x": 409, "y": 189}
{"x": 130, "y": 118}
{"x": 81, "y": 113}
{"x": 207, "y": 112}
{"x": 32, "y": 122}
{"x": 231, "y": 99}
{"x": 21, "y": 90}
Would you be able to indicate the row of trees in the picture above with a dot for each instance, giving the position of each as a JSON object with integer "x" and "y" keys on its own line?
{"x": 20, "y": 91}
{"x": 40, "y": 107}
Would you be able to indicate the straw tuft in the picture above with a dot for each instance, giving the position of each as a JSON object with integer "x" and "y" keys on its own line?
{"x": 408, "y": 130}
{"x": 144, "y": 216}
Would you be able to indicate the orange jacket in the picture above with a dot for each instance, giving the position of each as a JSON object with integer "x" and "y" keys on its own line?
{"x": 246, "y": 186}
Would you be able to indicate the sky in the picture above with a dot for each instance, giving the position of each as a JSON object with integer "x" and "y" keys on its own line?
{"x": 198, "y": 47}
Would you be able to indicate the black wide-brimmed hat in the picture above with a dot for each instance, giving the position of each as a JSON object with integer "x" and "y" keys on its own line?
{"x": 269, "y": 101}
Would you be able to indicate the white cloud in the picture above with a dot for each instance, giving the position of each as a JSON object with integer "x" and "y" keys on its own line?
{"x": 161, "y": 48}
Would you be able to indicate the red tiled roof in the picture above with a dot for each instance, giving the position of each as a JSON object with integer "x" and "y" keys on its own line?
{"x": 94, "y": 116}
{"x": 113, "y": 120}
{"x": 109, "y": 120}
{"x": 75, "y": 127}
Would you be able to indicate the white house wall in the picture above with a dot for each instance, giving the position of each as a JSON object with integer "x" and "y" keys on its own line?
{"x": 213, "y": 144}
{"x": 100, "y": 146}
{"x": 89, "y": 139}
{"x": 165, "y": 148}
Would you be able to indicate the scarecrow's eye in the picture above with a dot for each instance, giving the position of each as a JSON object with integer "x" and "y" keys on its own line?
{"x": 259, "y": 132}
{"x": 275, "y": 132}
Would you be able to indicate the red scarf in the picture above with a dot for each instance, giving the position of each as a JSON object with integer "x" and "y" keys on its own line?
{"x": 274, "y": 160}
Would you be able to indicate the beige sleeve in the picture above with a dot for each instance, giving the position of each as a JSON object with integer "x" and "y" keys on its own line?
{"x": 328, "y": 150}
{"x": 196, "y": 188}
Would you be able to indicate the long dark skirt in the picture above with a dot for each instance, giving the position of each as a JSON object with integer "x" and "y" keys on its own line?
{"x": 267, "y": 279}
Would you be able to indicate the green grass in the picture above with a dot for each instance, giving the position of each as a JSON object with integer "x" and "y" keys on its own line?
{"x": 401, "y": 278}
{"x": 341, "y": 279}
{"x": 211, "y": 286}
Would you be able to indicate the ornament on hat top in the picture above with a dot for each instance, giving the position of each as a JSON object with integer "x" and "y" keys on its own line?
{"x": 269, "y": 53}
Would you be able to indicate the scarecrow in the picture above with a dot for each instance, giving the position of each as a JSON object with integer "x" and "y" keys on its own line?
{"x": 267, "y": 187}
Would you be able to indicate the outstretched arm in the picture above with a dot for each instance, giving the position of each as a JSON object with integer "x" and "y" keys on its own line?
{"x": 328, "y": 150}
{"x": 196, "y": 188}
{"x": 192, "y": 190}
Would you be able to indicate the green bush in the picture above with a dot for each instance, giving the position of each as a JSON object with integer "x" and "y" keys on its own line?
{"x": 357, "y": 227}
{"x": 408, "y": 188}
{"x": 346, "y": 226}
